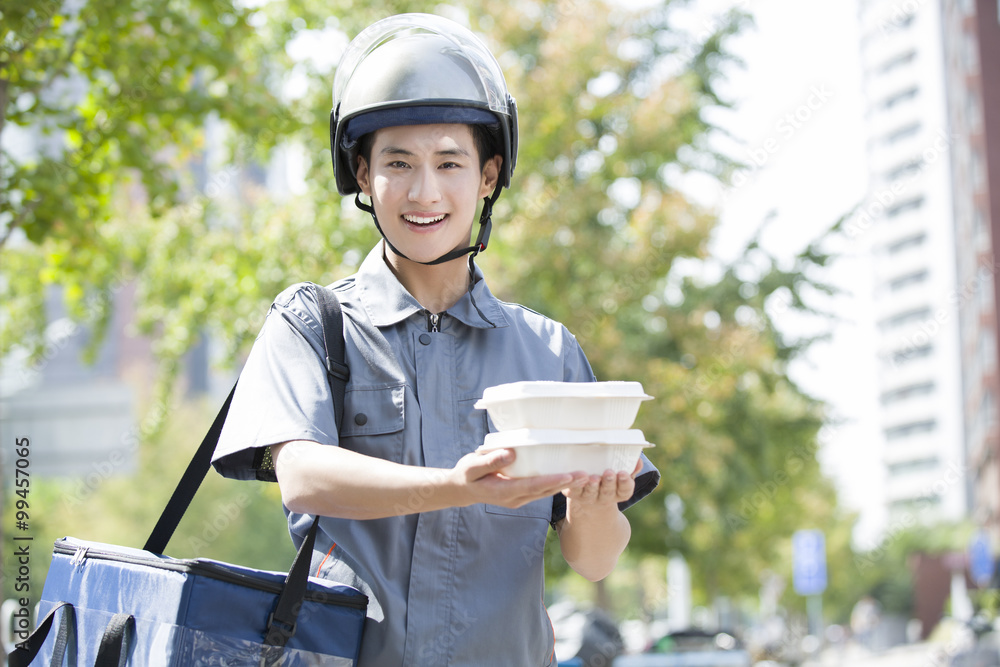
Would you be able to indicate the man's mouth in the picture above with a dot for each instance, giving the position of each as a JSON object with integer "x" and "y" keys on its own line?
{"x": 423, "y": 220}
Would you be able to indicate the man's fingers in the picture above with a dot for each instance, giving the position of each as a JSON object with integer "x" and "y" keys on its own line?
{"x": 482, "y": 464}
{"x": 609, "y": 486}
{"x": 526, "y": 489}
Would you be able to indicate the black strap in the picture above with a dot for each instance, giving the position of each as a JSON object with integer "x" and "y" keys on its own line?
{"x": 338, "y": 375}
{"x": 188, "y": 486}
{"x": 282, "y": 621}
{"x": 113, "y": 650}
{"x": 336, "y": 349}
{"x": 65, "y": 642}
{"x": 26, "y": 651}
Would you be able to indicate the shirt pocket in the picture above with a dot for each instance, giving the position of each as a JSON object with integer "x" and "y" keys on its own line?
{"x": 478, "y": 426}
{"x": 373, "y": 422}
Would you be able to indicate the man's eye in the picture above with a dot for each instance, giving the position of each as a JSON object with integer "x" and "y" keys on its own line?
{"x": 398, "y": 164}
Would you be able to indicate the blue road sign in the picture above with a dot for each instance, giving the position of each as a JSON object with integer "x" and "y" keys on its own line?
{"x": 809, "y": 562}
{"x": 980, "y": 559}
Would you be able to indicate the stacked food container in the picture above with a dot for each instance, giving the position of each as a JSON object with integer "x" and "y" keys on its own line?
{"x": 560, "y": 427}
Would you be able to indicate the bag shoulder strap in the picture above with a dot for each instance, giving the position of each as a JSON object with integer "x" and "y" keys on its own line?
{"x": 338, "y": 374}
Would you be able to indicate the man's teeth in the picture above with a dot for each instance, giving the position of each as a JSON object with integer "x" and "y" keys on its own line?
{"x": 423, "y": 221}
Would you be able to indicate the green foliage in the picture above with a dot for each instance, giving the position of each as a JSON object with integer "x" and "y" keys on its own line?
{"x": 593, "y": 232}
{"x": 117, "y": 93}
{"x": 885, "y": 571}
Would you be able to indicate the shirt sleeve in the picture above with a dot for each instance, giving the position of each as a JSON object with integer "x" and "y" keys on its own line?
{"x": 578, "y": 370}
{"x": 283, "y": 392}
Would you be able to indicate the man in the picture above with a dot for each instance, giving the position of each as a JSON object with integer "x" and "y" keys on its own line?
{"x": 448, "y": 551}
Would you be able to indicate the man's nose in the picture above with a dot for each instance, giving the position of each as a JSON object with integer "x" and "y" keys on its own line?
{"x": 425, "y": 188}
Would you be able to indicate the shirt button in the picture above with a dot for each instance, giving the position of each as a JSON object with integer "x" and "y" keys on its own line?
{"x": 425, "y": 339}
{"x": 361, "y": 419}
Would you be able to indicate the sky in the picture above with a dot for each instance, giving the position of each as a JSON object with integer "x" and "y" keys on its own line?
{"x": 798, "y": 122}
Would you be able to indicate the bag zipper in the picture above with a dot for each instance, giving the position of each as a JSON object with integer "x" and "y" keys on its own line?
{"x": 206, "y": 568}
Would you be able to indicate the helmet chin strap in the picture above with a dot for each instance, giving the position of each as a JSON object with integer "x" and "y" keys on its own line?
{"x": 482, "y": 239}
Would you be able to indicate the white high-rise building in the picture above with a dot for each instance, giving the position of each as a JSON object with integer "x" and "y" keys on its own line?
{"x": 906, "y": 225}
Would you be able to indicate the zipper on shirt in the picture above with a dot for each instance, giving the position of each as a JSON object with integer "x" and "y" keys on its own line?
{"x": 433, "y": 319}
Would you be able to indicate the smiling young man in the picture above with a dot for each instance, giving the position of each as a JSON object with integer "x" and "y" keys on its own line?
{"x": 449, "y": 551}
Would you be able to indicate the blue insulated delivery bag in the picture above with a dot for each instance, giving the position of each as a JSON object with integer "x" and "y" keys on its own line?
{"x": 191, "y": 612}
{"x": 109, "y": 606}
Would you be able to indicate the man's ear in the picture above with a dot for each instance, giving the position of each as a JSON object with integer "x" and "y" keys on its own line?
{"x": 362, "y": 177}
{"x": 491, "y": 174}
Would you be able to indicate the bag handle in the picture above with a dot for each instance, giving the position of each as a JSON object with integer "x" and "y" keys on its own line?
{"x": 115, "y": 642}
{"x": 26, "y": 651}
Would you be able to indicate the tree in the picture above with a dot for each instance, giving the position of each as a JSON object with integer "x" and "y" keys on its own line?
{"x": 593, "y": 233}
{"x": 115, "y": 96}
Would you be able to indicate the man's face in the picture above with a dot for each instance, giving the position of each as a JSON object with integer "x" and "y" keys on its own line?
{"x": 425, "y": 184}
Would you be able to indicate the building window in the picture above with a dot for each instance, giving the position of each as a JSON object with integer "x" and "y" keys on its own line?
{"x": 908, "y": 168}
{"x": 978, "y": 168}
{"x": 902, "y": 133}
{"x": 908, "y": 280}
{"x": 906, "y": 243}
{"x": 910, "y": 428}
{"x": 897, "y": 61}
{"x": 988, "y": 408}
{"x": 904, "y": 206}
{"x": 906, "y": 317}
{"x": 913, "y": 505}
{"x": 899, "y": 98}
{"x": 909, "y": 391}
{"x": 916, "y": 465}
{"x": 908, "y": 354}
{"x": 987, "y": 349}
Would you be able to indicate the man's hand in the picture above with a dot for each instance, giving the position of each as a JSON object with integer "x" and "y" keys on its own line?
{"x": 601, "y": 492}
{"x": 477, "y": 478}
{"x": 594, "y": 533}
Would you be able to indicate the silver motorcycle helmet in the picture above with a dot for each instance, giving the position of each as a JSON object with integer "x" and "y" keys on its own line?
{"x": 414, "y": 69}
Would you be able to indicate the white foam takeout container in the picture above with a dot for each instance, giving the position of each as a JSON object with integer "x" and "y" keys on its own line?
{"x": 558, "y": 451}
{"x": 563, "y": 405}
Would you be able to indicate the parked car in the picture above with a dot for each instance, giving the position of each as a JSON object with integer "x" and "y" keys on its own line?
{"x": 690, "y": 648}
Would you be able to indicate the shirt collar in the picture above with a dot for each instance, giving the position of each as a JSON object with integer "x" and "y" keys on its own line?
{"x": 387, "y": 302}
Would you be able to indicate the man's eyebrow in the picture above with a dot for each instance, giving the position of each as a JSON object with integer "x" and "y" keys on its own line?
{"x": 397, "y": 150}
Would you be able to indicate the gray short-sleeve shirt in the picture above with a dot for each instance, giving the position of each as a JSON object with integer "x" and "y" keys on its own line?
{"x": 441, "y": 584}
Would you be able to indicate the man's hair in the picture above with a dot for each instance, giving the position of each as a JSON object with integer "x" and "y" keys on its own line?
{"x": 485, "y": 137}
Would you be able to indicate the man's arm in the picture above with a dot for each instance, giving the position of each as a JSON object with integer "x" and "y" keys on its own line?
{"x": 594, "y": 532}
{"x": 337, "y": 482}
